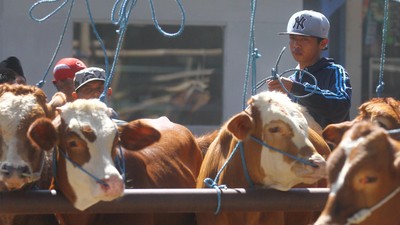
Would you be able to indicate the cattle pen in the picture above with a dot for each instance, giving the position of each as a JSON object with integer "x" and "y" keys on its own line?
{"x": 171, "y": 201}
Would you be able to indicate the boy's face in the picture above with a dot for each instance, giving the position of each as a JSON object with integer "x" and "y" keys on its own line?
{"x": 66, "y": 86}
{"x": 90, "y": 90}
{"x": 306, "y": 50}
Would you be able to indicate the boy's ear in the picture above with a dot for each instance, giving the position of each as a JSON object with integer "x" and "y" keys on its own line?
{"x": 324, "y": 43}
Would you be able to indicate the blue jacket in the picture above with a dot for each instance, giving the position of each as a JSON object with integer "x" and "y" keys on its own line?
{"x": 332, "y": 99}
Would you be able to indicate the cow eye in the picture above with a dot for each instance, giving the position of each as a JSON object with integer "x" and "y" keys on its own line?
{"x": 368, "y": 179}
{"x": 273, "y": 129}
{"x": 371, "y": 179}
{"x": 72, "y": 144}
{"x": 382, "y": 125}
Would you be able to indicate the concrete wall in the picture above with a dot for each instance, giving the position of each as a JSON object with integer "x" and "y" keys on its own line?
{"x": 34, "y": 43}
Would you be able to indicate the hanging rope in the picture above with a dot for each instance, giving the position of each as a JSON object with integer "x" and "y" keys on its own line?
{"x": 381, "y": 84}
{"x": 39, "y": 20}
{"x": 252, "y": 56}
{"x": 125, "y": 8}
{"x": 122, "y": 20}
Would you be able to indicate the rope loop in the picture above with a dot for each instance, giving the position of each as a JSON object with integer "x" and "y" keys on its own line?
{"x": 277, "y": 76}
{"x": 158, "y": 27}
{"x": 42, "y": 82}
{"x": 123, "y": 12}
{"x": 48, "y": 15}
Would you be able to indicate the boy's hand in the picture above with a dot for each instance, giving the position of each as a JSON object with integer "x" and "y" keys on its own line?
{"x": 275, "y": 85}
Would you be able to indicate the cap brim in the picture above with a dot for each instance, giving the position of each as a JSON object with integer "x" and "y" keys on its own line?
{"x": 287, "y": 33}
{"x": 90, "y": 80}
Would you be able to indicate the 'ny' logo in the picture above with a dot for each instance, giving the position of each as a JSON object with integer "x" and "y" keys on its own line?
{"x": 299, "y": 23}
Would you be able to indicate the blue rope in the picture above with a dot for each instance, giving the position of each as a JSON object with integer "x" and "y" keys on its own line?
{"x": 92, "y": 23}
{"x": 122, "y": 21}
{"x": 41, "y": 82}
{"x": 381, "y": 84}
{"x": 284, "y": 153}
{"x": 120, "y": 162}
{"x": 276, "y": 76}
{"x": 83, "y": 170}
{"x": 214, "y": 183}
{"x": 252, "y": 55}
{"x": 246, "y": 172}
{"x": 182, "y": 25}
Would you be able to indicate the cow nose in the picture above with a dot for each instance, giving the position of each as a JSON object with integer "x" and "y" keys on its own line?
{"x": 8, "y": 170}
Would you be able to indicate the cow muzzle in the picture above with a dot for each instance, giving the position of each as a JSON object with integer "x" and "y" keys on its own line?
{"x": 112, "y": 188}
{"x": 313, "y": 173}
{"x": 15, "y": 176}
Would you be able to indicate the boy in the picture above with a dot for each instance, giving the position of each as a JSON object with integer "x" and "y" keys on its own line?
{"x": 64, "y": 73}
{"x": 308, "y": 32}
{"x": 89, "y": 83}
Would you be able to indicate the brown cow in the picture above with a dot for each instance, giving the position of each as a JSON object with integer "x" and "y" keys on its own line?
{"x": 156, "y": 152}
{"x": 383, "y": 111}
{"x": 23, "y": 164}
{"x": 275, "y": 120}
{"x": 364, "y": 177}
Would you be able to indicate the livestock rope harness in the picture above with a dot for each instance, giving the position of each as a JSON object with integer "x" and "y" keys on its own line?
{"x": 119, "y": 162}
{"x": 214, "y": 183}
{"x": 362, "y": 214}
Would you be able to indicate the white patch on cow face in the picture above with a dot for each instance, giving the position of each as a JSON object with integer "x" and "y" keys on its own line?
{"x": 101, "y": 165}
{"x": 280, "y": 176}
{"x": 276, "y": 106}
{"x": 13, "y": 108}
{"x": 347, "y": 144}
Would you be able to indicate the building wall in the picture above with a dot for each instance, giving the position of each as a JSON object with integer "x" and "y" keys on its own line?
{"x": 35, "y": 43}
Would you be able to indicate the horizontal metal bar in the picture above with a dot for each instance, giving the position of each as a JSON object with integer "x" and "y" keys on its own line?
{"x": 171, "y": 201}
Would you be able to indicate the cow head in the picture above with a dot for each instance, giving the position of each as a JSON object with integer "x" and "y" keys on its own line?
{"x": 89, "y": 143}
{"x": 273, "y": 118}
{"x": 21, "y": 161}
{"x": 383, "y": 111}
{"x": 363, "y": 170}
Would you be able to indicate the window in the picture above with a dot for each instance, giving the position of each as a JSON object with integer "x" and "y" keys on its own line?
{"x": 179, "y": 77}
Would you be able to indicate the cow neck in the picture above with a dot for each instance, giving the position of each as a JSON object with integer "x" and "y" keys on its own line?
{"x": 362, "y": 214}
{"x": 214, "y": 183}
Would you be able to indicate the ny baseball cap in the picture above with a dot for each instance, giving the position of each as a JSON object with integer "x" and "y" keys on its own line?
{"x": 308, "y": 23}
{"x": 87, "y": 75}
{"x": 66, "y": 68}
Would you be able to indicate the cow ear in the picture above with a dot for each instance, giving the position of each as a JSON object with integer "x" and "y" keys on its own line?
{"x": 241, "y": 126}
{"x": 42, "y": 134}
{"x": 137, "y": 135}
{"x": 333, "y": 133}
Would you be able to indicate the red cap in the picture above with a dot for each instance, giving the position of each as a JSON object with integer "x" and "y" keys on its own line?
{"x": 66, "y": 68}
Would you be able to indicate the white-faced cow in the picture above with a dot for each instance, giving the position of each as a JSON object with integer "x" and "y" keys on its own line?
{"x": 156, "y": 153}
{"x": 271, "y": 122}
{"x": 364, "y": 178}
{"x": 23, "y": 164}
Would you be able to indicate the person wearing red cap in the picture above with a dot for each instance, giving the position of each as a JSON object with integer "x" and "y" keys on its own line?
{"x": 64, "y": 73}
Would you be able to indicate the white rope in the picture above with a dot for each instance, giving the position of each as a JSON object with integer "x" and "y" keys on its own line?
{"x": 364, "y": 213}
